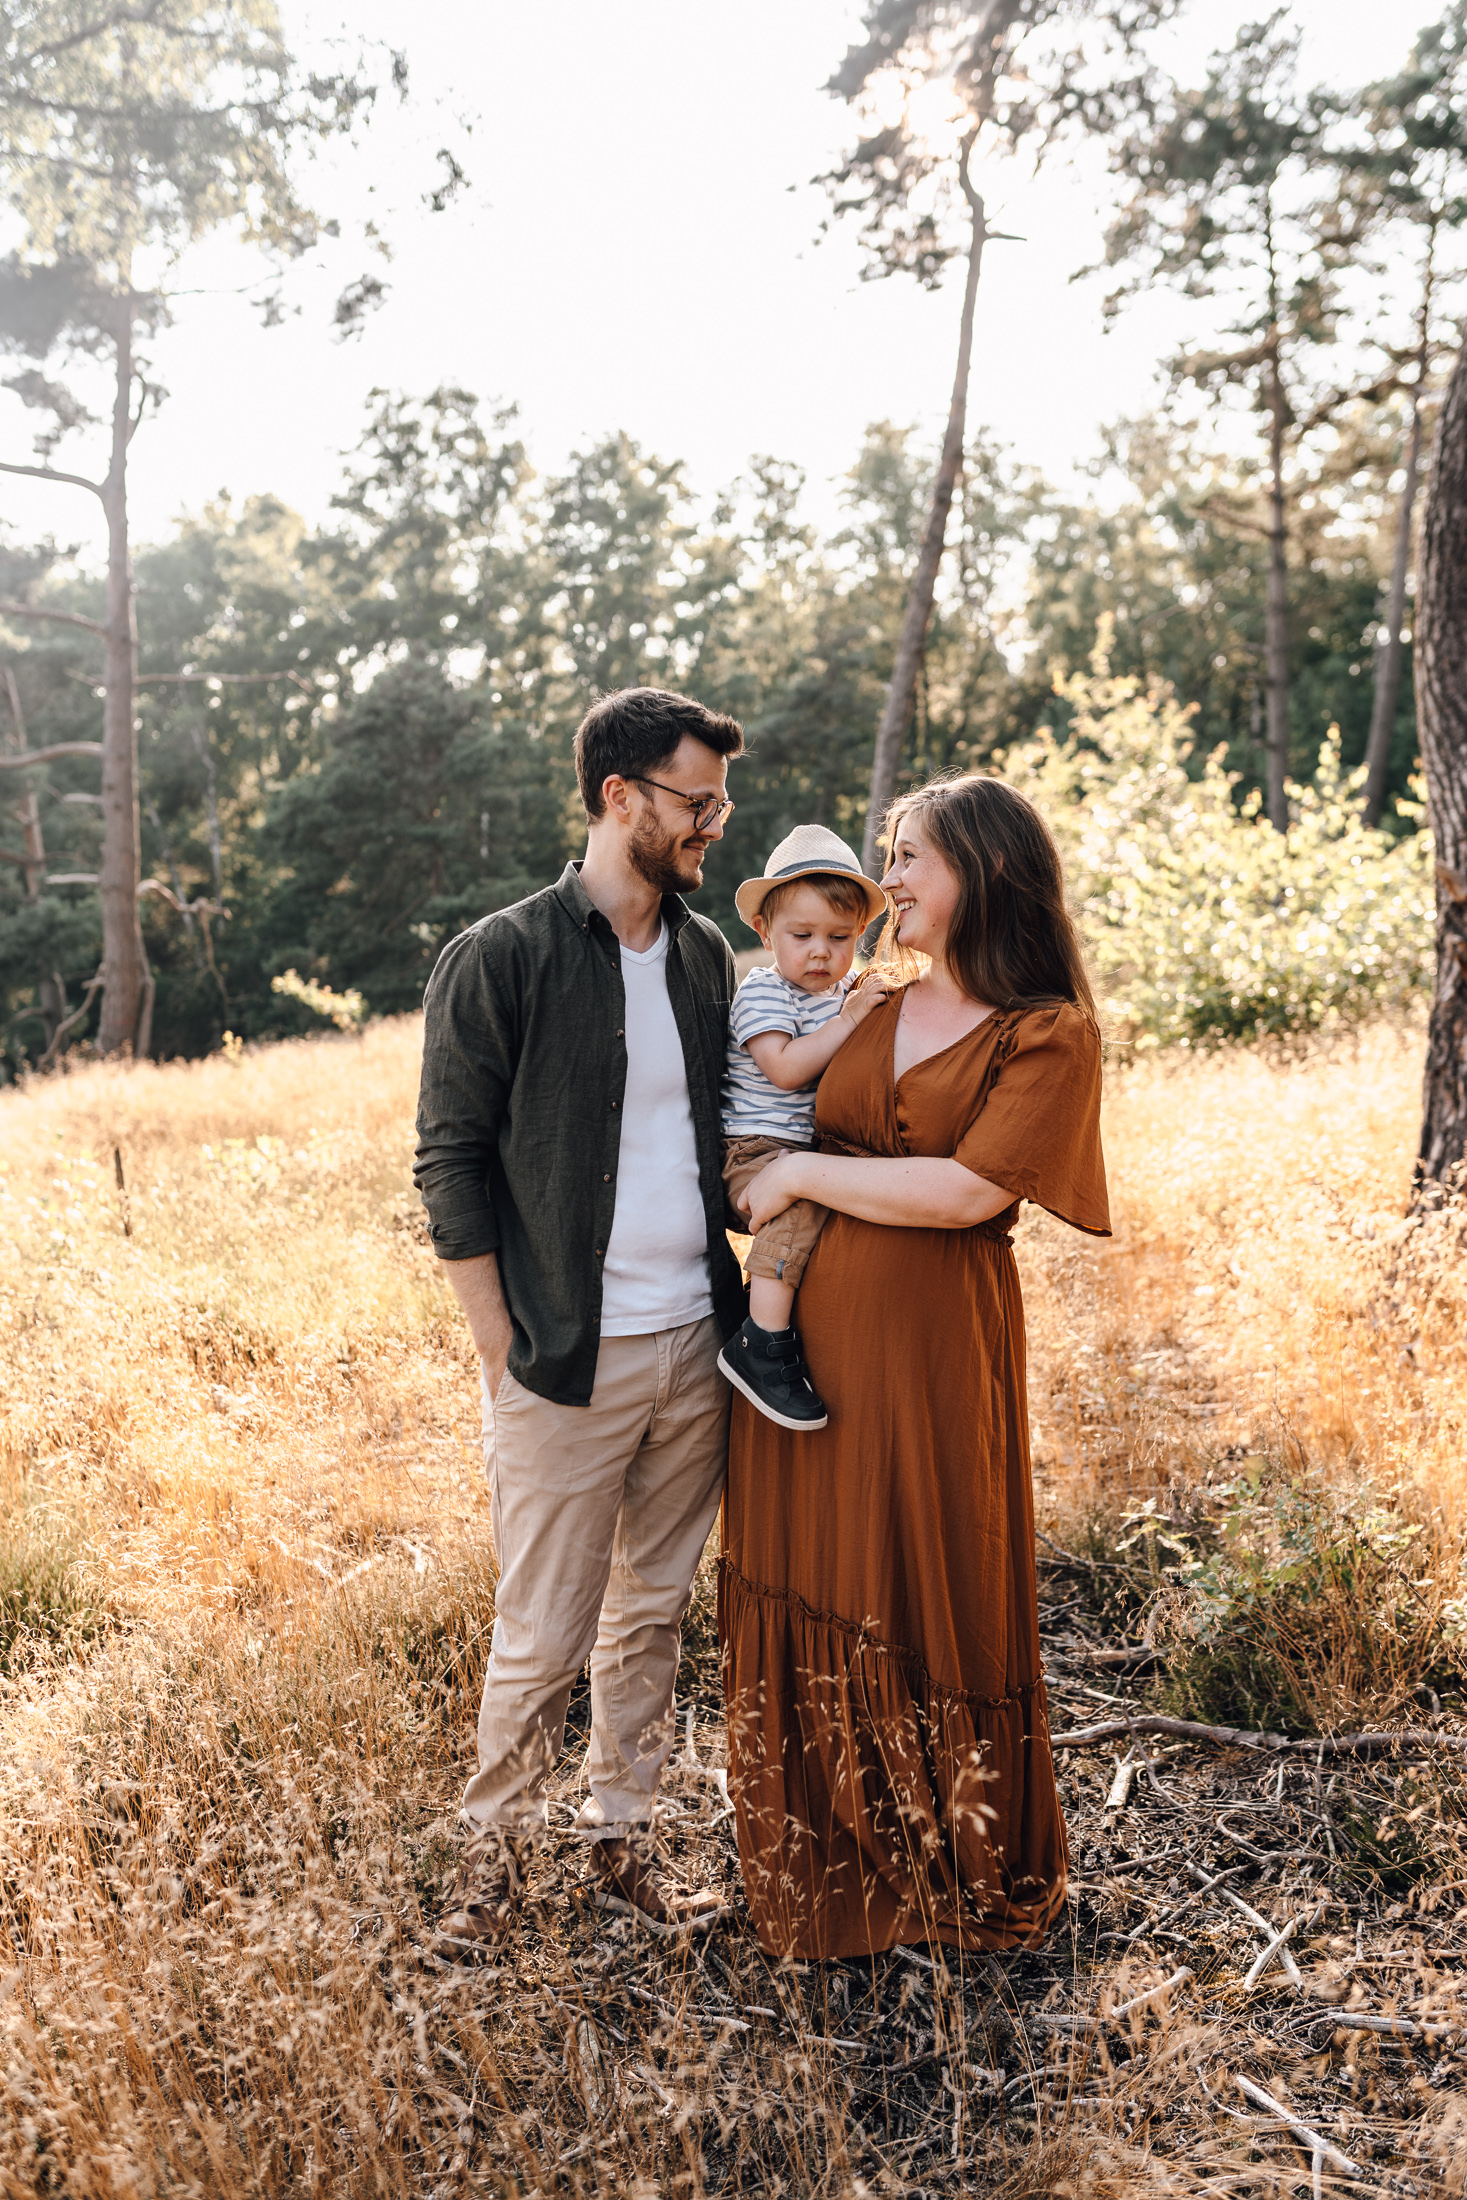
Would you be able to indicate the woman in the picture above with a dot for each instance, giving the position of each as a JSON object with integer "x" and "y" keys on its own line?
{"x": 887, "y": 1728}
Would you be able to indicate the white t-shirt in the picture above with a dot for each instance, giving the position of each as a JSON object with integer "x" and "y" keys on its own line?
{"x": 754, "y": 1106}
{"x": 656, "y": 1266}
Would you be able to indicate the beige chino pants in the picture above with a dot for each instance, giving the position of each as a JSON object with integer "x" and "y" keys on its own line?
{"x": 600, "y": 1515}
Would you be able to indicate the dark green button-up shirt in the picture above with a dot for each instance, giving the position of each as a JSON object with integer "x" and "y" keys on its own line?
{"x": 519, "y": 1113}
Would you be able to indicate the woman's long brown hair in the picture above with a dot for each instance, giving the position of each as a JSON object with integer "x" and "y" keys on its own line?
{"x": 1012, "y": 940}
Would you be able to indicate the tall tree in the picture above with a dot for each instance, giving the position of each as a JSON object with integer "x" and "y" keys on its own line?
{"x": 1233, "y": 194}
{"x": 1184, "y": 585}
{"x": 1440, "y": 649}
{"x": 1412, "y": 173}
{"x": 928, "y": 79}
{"x": 127, "y": 131}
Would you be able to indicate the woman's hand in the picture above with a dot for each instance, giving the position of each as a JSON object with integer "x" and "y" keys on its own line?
{"x": 771, "y": 1191}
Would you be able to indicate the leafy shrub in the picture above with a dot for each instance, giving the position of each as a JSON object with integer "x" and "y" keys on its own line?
{"x": 1205, "y": 924}
{"x": 1304, "y": 1612}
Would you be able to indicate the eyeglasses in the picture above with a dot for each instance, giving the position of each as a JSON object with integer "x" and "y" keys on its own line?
{"x": 707, "y": 809}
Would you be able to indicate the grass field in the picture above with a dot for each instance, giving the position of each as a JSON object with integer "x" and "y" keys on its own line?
{"x": 246, "y": 1583}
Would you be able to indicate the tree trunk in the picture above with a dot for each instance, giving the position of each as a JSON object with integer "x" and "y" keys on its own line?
{"x": 1388, "y": 661}
{"x": 1276, "y": 616}
{"x": 50, "y": 990}
{"x": 912, "y": 647}
{"x": 127, "y": 990}
{"x": 1441, "y": 714}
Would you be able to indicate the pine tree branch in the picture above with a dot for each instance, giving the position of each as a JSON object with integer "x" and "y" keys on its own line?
{"x": 63, "y": 1030}
{"x": 44, "y": 756}
{"x": 10, "y": 610}
{"x": 49, "y": 473}
{"x": 112, "y": 20}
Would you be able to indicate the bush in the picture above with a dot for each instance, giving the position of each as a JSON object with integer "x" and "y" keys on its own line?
{"x": 1305, "y": 1612}
{"x": 1203, "y": 923}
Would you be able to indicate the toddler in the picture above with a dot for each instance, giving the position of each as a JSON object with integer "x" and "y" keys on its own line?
{"x": 787, "y": 1023}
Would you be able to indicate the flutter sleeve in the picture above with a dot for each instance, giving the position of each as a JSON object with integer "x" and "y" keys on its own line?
{"x": 1037, "y": 1132}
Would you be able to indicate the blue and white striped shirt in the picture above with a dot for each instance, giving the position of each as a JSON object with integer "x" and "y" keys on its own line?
{"x": 752, "y": 1106}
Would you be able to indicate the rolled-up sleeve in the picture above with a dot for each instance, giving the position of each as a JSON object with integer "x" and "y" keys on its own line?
{"x": 467, "y": 1069}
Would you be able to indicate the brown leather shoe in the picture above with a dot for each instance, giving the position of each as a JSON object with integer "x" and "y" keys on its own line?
{"x": 630, "y": 1877}
{"x": 488, "y": 1896}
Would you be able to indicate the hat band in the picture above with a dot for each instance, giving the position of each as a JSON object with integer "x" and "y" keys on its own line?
{"x": 788, "y": 870}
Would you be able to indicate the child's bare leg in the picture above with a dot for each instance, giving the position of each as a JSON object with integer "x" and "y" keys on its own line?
{"x": 771, "y": 1304}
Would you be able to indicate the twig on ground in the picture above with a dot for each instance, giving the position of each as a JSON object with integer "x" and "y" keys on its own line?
{"x": 1406, "y": 2028}
{"x": 1315, "y": 2141}
{"x": 1153, "y": 1924}
{"x": 1265, "y": 1925}
{"x": 1120, "y": 1787}
{"x": 1242, "y": 1737}
{"x": 1068, "y": 1558}
{"x": 1070, "y": 2021}
{"x": 1274, "y": 1948}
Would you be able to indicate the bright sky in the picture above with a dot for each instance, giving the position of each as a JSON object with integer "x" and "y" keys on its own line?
{"x": 631, "y": 254}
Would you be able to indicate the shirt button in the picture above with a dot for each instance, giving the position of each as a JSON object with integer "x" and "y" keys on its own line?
{"x": 621, "y": 1035}
{"x": 607, "y": 1178}
{"x": 614, "y": 1103}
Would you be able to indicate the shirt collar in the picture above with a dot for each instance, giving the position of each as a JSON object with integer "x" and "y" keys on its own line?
{"x": 584, "y": 913}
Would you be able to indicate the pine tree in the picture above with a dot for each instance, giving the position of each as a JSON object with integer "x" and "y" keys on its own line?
{"x": 132, "y": 131}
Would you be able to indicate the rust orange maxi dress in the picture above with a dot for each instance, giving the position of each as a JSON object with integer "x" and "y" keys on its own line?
{"x": 888, "y": 1736}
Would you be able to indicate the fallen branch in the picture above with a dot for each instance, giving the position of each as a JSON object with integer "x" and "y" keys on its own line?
{"x": 1264, "y": 1924}
{"x": 1274, "y": 1948}
{"x": 1406, "y": 2028}
{"x": 1128, "y": 1653}
{"x": 1120, "y": 1786}
{"x": 1068, "y": 1558}
{"x": 1187, "y": 1730}
{"x": 1064, "y": 2021}
{"x": 1242, "y": 1737}
{"x": 1139, "y": 2001}
{"x": 1154, "y": 1924}
{"x": 1315, "y": 2141}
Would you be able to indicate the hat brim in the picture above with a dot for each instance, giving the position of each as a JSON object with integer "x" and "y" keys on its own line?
{"x": 751, "y": 896}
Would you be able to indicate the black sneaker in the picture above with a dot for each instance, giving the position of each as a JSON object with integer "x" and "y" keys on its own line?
{"x": 768, "y": 1366}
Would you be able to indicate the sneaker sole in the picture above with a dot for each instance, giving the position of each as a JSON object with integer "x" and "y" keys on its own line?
{"x": 782, "y": 1420}
{"x": 602, "y": 1898}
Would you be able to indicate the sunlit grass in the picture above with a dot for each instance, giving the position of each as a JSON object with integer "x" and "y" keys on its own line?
{"x": 246, "y": 1584}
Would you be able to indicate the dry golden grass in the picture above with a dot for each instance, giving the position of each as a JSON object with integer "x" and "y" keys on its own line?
{"x": 246, "y": 1583}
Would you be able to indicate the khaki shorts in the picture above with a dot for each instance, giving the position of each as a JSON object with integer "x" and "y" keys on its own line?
{"x": 781, "y": 1249}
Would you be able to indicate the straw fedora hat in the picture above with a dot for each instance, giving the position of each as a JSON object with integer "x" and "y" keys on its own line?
{"x": 808, "y": 851}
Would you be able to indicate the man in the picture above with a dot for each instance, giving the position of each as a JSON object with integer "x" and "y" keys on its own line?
{"x": 570, "y": 1160}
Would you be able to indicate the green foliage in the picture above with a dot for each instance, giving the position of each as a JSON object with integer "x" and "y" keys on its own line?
{"x": 1204, "y": 924}
{"x": 156, "y": 125}
{"x": 46, "y": 1609}
{"x": 363, "y": 739}
{"x": 1301, "y": 1606}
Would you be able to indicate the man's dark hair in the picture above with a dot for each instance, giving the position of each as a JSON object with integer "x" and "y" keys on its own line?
{"x": 637, "y": 730}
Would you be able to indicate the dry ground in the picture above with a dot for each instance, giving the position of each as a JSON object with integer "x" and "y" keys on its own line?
{"x": 245, "y": 1589}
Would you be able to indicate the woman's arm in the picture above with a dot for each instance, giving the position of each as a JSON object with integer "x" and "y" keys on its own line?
{"x": 926, "y": 1194}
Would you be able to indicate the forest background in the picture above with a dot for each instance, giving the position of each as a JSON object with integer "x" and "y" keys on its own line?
{"x": 354, "y": 737}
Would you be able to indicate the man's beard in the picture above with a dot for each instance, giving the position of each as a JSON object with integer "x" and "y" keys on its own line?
{"x": 653, "y": 856}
